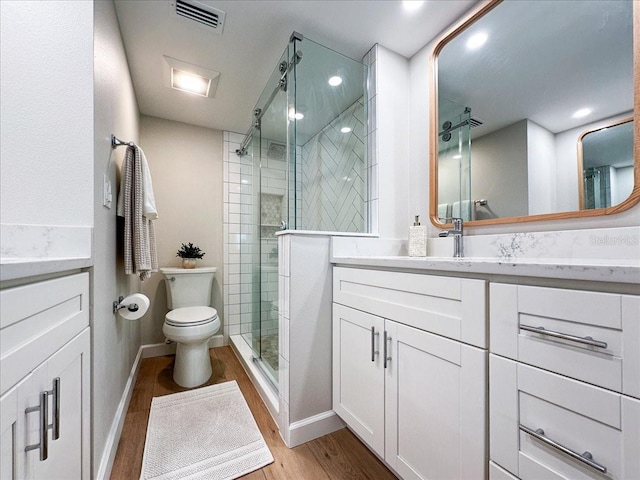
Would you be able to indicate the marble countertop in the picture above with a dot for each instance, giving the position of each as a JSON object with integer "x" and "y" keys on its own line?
{"x": 23, "y": 267}
{"x": 32, "y": 250}
{"x": 602, "y": 270}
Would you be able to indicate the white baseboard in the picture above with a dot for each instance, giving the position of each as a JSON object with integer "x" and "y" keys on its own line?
{"x": 311, "y": 428}
{"x": 111, "y": 445}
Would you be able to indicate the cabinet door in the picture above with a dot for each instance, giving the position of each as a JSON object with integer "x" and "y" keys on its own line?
{"x": 9, "y": 434}
{"x": 358, "y": 380}
{"x": 68, "y": 455}
{"x": 435, "y": 406}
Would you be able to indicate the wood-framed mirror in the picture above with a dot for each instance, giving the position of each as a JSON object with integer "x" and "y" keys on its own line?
{"x": 605, "y": 165}
{"x": 514, "y": 87}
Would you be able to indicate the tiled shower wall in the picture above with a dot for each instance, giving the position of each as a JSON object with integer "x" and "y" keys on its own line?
{"x": 244, "y": 238}
{"x": 334, "y": 175}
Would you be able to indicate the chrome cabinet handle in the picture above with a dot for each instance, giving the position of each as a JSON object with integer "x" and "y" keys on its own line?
{"x": 55, "y": 425}
{"x": 585, "y": 458}
{"x": 374, "y": 352}
{"x": 387, "y": 358}
{"x": 565, "y": 336}
{"x": 43, "y": 408}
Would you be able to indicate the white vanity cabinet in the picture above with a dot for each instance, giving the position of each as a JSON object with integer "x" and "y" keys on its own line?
{"x": 45, "y": 378}
{"x": 564, "y": 383}
{"x": 417, "y": 398}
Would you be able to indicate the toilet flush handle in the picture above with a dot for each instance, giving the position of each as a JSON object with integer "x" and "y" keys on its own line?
{"x": 172, "y": 279}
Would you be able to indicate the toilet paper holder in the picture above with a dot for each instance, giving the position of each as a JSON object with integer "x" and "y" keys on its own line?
{"x": 117, "y": 305}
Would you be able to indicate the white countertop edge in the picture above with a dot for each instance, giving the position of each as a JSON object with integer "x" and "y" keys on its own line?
{"x": 619, "y": 271}
{"x": 15, "y": 268}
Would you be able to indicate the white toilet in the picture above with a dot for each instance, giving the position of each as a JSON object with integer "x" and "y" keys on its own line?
{"x": 191, "y": 322}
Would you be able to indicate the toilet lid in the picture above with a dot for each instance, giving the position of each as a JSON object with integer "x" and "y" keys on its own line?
{"x": 191, "y": 316}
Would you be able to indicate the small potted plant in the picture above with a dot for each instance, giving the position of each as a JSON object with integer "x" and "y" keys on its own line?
{"x": 189, "y": 253}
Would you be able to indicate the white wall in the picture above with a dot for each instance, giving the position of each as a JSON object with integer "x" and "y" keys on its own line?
{"x": 186, "y": 170}
{"x": 499, "y": 172}
{"x": 621, "y": 184}
{"x": 541, "y": 169}
{"x": 46, "y": 112}
{"x": 392, "y": 125}
{"x": 115, "y": 342}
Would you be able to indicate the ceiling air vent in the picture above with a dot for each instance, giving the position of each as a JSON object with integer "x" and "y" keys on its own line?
{"x": 201, "y": 13}
{"x": 474, "y": 122}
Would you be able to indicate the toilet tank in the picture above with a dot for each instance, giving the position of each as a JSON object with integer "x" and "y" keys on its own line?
{"x": 188, "y": 287}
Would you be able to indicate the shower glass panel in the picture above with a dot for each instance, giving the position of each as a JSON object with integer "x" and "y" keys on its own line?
{"x": 307, "y": 170}
{"x": 326, "y": 130}
{"x": 454, "y": 161}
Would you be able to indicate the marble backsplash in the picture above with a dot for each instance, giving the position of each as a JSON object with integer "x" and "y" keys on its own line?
{"x": 44, "y": 241}
{"x": 621, "y": 243}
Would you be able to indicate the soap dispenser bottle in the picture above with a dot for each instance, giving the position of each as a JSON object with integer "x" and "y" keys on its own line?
{"x": 417, "y": 239}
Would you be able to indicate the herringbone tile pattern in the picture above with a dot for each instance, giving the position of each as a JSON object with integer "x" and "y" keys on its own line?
{"x": 334, "y": 175}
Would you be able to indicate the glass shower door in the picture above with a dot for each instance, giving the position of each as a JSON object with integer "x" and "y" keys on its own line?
{"x": 454, "y": 162}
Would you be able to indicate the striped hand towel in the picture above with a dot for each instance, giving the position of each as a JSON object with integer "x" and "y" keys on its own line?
{"x": 137, "y": 205}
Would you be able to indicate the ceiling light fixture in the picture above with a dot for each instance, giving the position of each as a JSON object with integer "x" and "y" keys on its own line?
{"x": 583, "y": 112}
{"x": 345, "y": 129}
{"x": 190, "y": 82}
{"x": 477, "y": 40}
{"x": 412, "y": 5}
{"x": 335, "y": 81}
{"x": 188, "y": 77}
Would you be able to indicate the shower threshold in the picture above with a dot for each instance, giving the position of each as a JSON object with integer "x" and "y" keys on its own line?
{"x": 258, "y": 377}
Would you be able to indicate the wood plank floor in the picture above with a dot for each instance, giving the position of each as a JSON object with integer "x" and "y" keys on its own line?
{"x": 339, "y": 455}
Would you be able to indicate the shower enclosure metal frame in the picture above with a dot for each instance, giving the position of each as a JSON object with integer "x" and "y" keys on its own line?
{"x": 279, "y": 110}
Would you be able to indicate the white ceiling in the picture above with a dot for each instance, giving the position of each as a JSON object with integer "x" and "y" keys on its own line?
{"x": 579, "y": 56}
{"x": 255, "y": 34}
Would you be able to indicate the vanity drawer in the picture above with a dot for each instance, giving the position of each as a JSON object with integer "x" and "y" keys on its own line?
{"x": 590, "y": 336}
{"x": 530, "y": 408}
{"x": 448, "y": 306}
{"x": 38, "y": 319}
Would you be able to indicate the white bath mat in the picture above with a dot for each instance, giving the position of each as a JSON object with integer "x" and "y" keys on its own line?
{"x": 207, "y": 433}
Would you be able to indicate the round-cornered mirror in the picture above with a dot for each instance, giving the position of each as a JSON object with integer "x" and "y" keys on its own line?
{"x": 534, "y": 107}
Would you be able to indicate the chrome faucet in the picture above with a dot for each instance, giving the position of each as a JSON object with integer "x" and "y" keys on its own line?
{"x": 456, "y": 233}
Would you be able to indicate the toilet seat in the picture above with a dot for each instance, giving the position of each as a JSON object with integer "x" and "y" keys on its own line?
{"x": 191, "y": 316}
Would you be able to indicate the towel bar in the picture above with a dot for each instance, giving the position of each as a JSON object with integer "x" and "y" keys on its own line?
{"x": 116, "y": 142}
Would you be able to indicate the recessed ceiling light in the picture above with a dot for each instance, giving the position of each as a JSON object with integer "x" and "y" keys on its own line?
{"x": 412, "y": 5}
{"x": 345, "y": 129}
{"x": 335, "y": 81}
{"x": 190, "y": 82}
{"x": 477, "y": 40}
{"x": 583, "y": 112}
{"x": 189, "y": 77}
{"x": 457, "y": 157}
{"x": 293, "y": 115}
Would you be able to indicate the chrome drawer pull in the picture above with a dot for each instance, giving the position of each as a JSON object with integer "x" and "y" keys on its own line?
{"x": 374, "y": 352}
{"x": 43, "y": 445}
{"x": 55, "y": 426}
{"x": 387, "y": 358}
{"x": 585, "y": 458}
{"x": 565, "y": 336}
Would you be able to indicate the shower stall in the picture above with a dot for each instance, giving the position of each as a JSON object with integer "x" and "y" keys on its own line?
{"x": 302, "y": 167}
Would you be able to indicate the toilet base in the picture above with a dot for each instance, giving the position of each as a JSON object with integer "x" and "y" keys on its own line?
{"x": 193, "y": 364}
